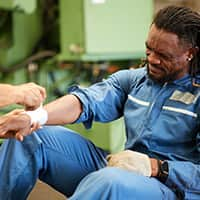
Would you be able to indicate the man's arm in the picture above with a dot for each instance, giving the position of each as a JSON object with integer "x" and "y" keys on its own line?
{"x": 64, "y": 110}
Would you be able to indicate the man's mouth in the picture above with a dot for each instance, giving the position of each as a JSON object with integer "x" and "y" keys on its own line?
{"x": 155, "y": 69}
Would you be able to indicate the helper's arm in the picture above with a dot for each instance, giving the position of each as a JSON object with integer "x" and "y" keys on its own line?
{"x": 29, "y": 95}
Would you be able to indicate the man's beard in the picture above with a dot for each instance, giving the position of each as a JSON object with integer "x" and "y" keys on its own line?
{"x": 162, "y": 80}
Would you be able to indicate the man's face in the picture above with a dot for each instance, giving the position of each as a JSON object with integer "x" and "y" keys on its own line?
{"x": 166, "y": 55}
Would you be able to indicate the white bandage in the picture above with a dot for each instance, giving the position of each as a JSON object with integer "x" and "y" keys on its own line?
{"x": 132, "y": 161}
{"x": 39, "y": 115}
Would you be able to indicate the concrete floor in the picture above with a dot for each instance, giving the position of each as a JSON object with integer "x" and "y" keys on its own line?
{"x": 43, "y": 192}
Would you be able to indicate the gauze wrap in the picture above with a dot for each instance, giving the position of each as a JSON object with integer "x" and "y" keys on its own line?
{"x": 39, "y": 115}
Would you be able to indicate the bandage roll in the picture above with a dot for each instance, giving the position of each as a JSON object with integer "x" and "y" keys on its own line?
{"x": 39, "y": 115}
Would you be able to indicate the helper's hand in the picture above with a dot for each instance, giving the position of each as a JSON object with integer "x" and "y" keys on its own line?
{"x": 132, "y": 161}
{"x": 16, "y": 124}
{"x": 30, "y": 95}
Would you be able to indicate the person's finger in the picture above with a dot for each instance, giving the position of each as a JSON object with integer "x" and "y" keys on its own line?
{"x": 19, "y": 137}
{"x": 16, "y": 111}
{"x": 33, "y": 103}
{"x": 2, "y": 133}
{"x": 9, "y": 134}
{"x": 34, "y": 99}
{"x": 42, "y": 92}
{"x": 3, "y": 130}
{"x": 32, "y": 95}
{"x": 35, "y": 126}
{"x": 39, "y": 92}
{"x": 24, "y": 131}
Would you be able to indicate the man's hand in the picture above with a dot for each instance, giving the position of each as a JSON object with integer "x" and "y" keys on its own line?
{"x": 132, "y": 161}
{"x": 30, "y": 95}
{"x": 16, "y": 124}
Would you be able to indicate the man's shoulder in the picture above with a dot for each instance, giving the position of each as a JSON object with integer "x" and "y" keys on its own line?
{"x": 140, "y": 72}
{"x": 132, "y": 73}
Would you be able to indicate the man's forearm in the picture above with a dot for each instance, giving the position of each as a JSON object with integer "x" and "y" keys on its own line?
{"x": 64, "y": 110}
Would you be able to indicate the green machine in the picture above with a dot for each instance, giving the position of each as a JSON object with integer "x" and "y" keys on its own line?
{"x": 20, "y": 30}
{"x": 104, "y": 30}
{"x": 26, "y": 6}
{"x": 93, "y": 30}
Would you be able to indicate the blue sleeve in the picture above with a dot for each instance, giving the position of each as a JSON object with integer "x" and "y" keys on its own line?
{"x": 185, "y": 176}
{"x": 104, "y": 101}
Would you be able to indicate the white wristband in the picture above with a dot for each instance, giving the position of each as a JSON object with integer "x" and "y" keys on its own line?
{"x": 39, "y": 115}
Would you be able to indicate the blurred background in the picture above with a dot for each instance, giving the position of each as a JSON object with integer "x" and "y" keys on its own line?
{"x": 61, "y": 43}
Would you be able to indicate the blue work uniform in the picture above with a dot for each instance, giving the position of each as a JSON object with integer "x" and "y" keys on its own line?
{"x": 161, "y": 121}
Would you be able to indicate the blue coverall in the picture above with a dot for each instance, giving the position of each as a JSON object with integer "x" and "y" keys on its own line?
{"x": 161, "y": 121}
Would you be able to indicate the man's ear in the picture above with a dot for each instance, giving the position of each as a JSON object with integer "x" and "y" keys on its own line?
{"x": 193, "y": 51}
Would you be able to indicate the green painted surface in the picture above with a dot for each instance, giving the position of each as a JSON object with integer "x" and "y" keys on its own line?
{"x": 6, "y": 4}
{"x": 108, "y": 136}
{"x": 71, "y": 26}
{"x": 26, "y": 30}
{"x": 27, "y": 6}
{"x": 113, "y": 30}
{"x": 113, "y": 56}
{"x": 117, "y": 26}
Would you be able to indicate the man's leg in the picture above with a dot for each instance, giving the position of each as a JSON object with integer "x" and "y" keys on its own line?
{"x": 55, "y": 154}
{"x": 117, "y": 184}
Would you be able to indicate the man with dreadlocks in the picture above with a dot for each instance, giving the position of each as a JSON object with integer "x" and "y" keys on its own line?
{"x": 160, "y": 103}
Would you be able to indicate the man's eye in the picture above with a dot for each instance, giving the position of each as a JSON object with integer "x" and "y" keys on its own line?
{"x": 163, "y": 56}
{"x": 148, "y": 52}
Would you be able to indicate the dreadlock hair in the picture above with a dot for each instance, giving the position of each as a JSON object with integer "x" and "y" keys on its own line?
{"x": 185, "y": 23}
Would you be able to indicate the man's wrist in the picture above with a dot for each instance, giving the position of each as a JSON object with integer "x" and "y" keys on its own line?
{"x": 154, "y": 167}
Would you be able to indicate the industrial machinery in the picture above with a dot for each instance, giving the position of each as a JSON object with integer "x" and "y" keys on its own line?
{"x": 61, "y": 43}
{"x": 104, "y": 29}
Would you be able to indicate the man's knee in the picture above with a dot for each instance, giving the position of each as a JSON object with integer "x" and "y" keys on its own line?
{"x": 50, "y": 134}
{"x": 110, "y": 182}
{"x": 130, "y": 183}
{"x": 112, "y": 177}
